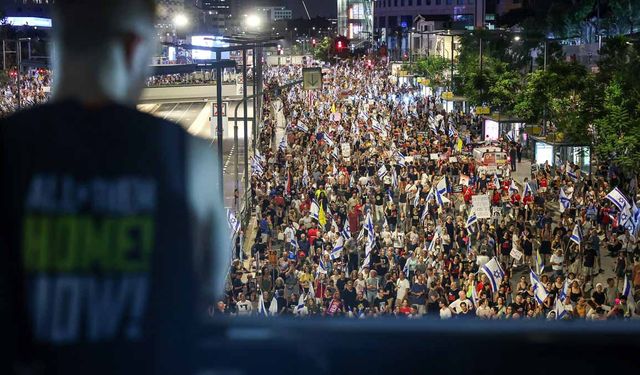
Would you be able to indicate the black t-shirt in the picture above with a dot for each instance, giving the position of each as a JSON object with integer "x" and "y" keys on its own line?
{"x": 349, "y": 297}
{"x": 98, "y": 238}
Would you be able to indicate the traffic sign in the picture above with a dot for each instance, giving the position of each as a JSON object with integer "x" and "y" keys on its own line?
{"x": 311, "y": 78}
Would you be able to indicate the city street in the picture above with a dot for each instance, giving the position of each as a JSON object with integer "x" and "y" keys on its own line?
{"x": 194, "y": 117}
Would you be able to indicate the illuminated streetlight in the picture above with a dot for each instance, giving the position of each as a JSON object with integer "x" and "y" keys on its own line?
{"x": 253, "y": 21}
{"x": 516, "y": 38}
{"x": 180, "y": 20}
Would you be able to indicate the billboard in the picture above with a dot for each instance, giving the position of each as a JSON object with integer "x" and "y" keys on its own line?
{"x": 491, "y": 130}
{"x": 207, "y": 41}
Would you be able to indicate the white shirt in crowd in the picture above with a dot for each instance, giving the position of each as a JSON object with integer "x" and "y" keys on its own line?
{"x": 445, "y": 313}
{"x": 403, "y": 286}
{"x": 482, "y": 260}
{"x": 245, "y": 308}
{"x": 559, "y": 259}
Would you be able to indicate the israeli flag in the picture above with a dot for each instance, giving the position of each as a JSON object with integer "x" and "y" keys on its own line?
{"x": 562, "y": 293}
{"x": 474, "y": 296}
{"x": 256, "y": 168}
{"x": 337, "y": 249}
{"x": 389, "y": 196}
{"x": 559, "y": 309}
{"x": 539, "y": 262}
{"x": 452, "y": 130}
{"x": 376, "y": 126}
{"x": 618, "y": 199}
{"x": 293, "y": 242}
{"x": 496, "y": 181}
{"x": 513, "y": 188}
{"x": 321, "y": 268}
{"x": 366, "y": 262}
{"x": 564, "y": 200}
{"x": 302, "y": 127}
{"x": 262, "y": 309}
{"x": 539, "y": 292}
{"x": 283, "y": 143}
{"x": 329, "y": 141}
{"x": 352, "y": 181}
{"x": 371, "y": 235}
{"x": 635, "y": 219}
{"x": 576, "y": 236}
{"x": 346, "y": 230}
{"x": 527, "y": 189}
{"x": 406, "y": 268}
{"x": 425, "y": 212}
{"x": 399, "y": 157}
{"x": 432, "y": 244}
{"x": 416, "y": 199}
{"x": 335, "y": 153}
{"x": 232, "y": 221}
{"x": 382, "y": 171}
{"x": 315, "y": 210}
{"x": 494, "y": 273}
{"x": 441, "y": 188}
{"x": 572, "y": 175}
{"x": 472, "y": 219}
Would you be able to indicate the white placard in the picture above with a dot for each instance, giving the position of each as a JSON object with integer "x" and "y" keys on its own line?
{"x": 488, "y": 170}
{"x": 481, "y": 206}
{"x": 434, "y": 156}
{"x": 346, "y": 150}
{"x": 453, "y": 159}
{"x": 515, "y": 253}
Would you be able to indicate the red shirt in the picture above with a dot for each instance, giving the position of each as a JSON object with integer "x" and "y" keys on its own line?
{"x": 515, "y": 198}
{"x": 406, "y": 310}
{"x": 527, "y": 199}
{"x": 312, "y": 234}
{"x": 543, "y": 182}
{"x": 495, "y": 199}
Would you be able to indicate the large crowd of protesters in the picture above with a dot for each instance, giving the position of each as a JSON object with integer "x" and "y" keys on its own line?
{"x": 35, "y": 88}
{"x": 365, "y": 193}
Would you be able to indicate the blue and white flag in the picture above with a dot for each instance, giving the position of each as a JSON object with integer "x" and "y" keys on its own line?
{"x": 232, "y": 221}
{"x": 494, "y": 273}
{"x": 527, "y": 189}
{"x": 399, "y": 158}
{"x": 346, "y": 230}
{"x": 262, "y": 309}
{"x": 321, "y": 267}
{"x": 328, "y": 140}
{"x": 572, "y": 175}
{"x": 405, "y": 269}
{"x": 441, "y": 189}
{"x": 425, "y": 212}
{"x": 618, "y": 199}
{"x": 382, "y": 171}
{"x": 366, "y": 262}
{"x": 273, "y": 307}
{"x": 335, "y": 153}
{"x": 559, "y": 309}
{"x": 302, "y": 127}
{"x": 471, "y": 220}
{"x": 416, "y": 199}
{"x": 635, "y": 220}
{"x": 627, "y": 291}
{"x": 314, "y": 212}
{"x": 432, "y": 244}
{"x": 389, "y": 196}
{"x": 256, "y": 168}
{"x": 283, "y": 143}
{"x": 539, "y": 292}
{"x": 564, "y": 200}
{"x": 293, "y": 242}
{"x": 564, "y": 292}
{"x": 576, "y": 236}
{"x": 496, "y": 181}
{"x": 376, "y": 126}
{"x": 337, "y": 249}
{"x": 513, "y": 188}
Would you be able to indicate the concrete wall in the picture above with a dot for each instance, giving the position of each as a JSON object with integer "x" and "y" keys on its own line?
{"x": 184, "y": 93}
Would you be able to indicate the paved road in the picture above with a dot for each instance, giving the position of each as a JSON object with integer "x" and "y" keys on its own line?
{"x": 186, "y": 114}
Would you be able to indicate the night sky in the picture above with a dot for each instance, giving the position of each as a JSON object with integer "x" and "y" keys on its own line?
{"x": 323, "y": 8}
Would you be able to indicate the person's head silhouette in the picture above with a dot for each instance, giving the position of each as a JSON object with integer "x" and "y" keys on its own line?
{"x": 102, "y": 49}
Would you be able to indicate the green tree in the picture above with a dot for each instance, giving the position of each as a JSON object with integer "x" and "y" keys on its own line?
{"x": 432, "y": 67}
{"x": 321, "y": 51}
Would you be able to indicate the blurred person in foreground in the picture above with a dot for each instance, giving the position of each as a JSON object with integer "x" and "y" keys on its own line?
{"x": 105, "y": 211}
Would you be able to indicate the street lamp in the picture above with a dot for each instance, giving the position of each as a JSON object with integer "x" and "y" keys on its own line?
{"x": 253, "y": 21}
{"x": 180, "y": 20}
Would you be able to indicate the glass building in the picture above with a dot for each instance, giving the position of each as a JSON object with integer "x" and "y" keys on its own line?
{"x": 355, "y": 20}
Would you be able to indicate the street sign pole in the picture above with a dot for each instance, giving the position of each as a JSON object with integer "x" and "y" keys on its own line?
{"x": 219, "y": 103}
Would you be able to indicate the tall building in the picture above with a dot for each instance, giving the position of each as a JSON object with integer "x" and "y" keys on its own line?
{"x": 214, "y": 15}
{"x": 355, "y": 20}
{"x": 26, "y": 8}
{"x": 402, "y": 24}
{"x": 167, "y": 11}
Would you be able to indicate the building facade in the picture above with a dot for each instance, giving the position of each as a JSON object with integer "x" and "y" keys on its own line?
{"x": 355, "y": 20}
{"x": 214, "y": 15}
{"x": 405, "y": 24}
